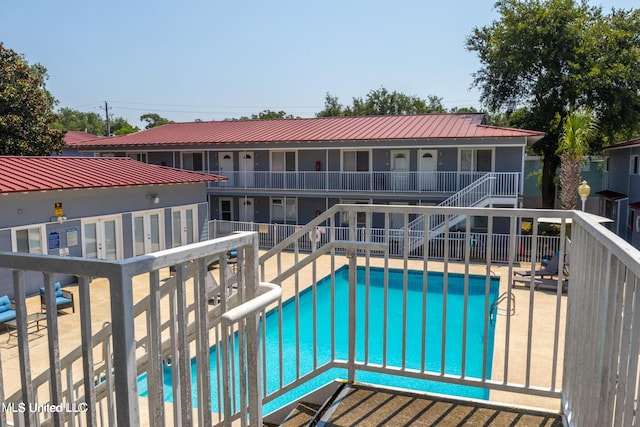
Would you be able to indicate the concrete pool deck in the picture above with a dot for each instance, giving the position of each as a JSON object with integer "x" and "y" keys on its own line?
{"x": 542, "y": 304}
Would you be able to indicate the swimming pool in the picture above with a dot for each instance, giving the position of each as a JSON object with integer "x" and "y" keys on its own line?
{"x": 414, "y": 328}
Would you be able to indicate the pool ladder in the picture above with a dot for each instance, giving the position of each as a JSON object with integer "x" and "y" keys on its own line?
{"x": 493, "y": 313}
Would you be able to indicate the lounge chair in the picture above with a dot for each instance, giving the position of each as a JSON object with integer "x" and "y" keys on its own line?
{"x": 544, "y": 284}
{"x": 551, "y": 269}
{"x": 7, "y": 311}
{"x": 64, "y": 299}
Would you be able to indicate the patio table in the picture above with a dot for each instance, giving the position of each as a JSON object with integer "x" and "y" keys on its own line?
{"x": 12, "y": 325}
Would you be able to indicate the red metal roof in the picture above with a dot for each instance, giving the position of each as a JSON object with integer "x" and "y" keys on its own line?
{"x": 624, "y": 144}
{"x": 21, "y": 174}
{"x": 317, "y": 129}
{"x": 73, "y": 136}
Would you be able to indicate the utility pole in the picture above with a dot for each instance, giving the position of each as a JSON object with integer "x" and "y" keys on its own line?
{"x": 106, "y": 111}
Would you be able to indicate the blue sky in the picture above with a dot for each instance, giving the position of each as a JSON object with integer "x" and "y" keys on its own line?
{"x": 211, "y": 60}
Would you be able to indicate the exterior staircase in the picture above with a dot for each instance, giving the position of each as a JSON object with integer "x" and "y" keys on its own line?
{"x": 476, "y": 194}
{"x": 364, "y": 404}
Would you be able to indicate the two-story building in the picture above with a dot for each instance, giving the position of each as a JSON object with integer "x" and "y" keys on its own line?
{"x": 620, "y": 197}
{"x": 288, "y": 171}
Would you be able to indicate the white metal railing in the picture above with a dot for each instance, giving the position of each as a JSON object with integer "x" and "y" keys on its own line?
{"x": 176, "y": 324}
{"x": 478, "y": 193}
{"x": 588, "y": 364}
{"x": 507, "y": 184}
{"x": 270, "y": 235}
{"x": 600, "y": 379}
{"x": 360, "y": 251}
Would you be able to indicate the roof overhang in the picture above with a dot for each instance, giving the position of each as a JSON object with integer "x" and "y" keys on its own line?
{"x": 611, "y": 195}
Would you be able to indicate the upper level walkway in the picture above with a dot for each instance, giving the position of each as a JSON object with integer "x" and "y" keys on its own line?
{"x": 507, "y": 184}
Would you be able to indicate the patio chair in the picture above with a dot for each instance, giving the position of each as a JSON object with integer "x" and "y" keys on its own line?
{"x": 64, "y": 299}
{"x": 7, "y": 311}
{"x": 551, "y": 269}
{"x": 543, "y": 284}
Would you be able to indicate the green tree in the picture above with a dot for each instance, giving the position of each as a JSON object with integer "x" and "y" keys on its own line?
{"x": 264, "y": 115}
{"x": 153, "y": 120}
{"x": 120, "y": 126}
{"x": 69, "y": 119}
{"x": 269, "y": 115}
{"x": 332, "y": 107}
{"x": 26, "y": 109}
{"x": 381, "y": 102}
{"x": 578, "y": 130}
{"x": 544, "y": 58}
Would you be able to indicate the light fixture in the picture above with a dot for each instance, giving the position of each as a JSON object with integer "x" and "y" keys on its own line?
{"x": 583, "y": 191}
{"x": 153, "y": 198}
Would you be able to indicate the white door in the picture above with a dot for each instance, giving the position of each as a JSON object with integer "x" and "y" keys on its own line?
{"x": 102, "y": 238}
{"x": 147, "y": 233}
{"x": 400, "y": 170}
{"x": 225, "y": 163}
{"x": 246, "y": 209}
{"x": 246, "y": 169}
{"x": 183, "y": 226}
{"x": 428, "y": 169}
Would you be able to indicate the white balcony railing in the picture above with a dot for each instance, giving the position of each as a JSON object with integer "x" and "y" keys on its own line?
{"x": 270, "y": 235}
{"x": 579, "y": 349}
{"x": 506, "y": 184}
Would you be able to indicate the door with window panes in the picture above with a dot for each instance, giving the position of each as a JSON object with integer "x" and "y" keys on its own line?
{"x": 355, "y": 168}
{"x": 474, "y": 163}
{"x": 183, "y": 226}
{"x": 147, "y": 232}
{"x": 29, "y": 240}
{"x": 102, "y": 238}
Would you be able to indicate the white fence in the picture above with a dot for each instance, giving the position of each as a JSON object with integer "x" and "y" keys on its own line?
{"x": 506, "y": 183}
{"x": 173, "y": 327}
{"x": 452, "y": 244}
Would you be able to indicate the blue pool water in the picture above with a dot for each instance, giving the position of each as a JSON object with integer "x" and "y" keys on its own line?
{"x": 415, "y": 329}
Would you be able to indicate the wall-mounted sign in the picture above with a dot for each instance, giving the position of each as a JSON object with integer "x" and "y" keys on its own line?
{"x": 54, "y": 240}
{"x": 72, "y": 236}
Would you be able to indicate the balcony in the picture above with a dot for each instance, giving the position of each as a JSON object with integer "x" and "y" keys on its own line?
{"x": 138, "y": 350}
{"x": 507, "y": 184}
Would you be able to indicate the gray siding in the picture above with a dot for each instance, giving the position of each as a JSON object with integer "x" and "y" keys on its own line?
{"x": 163, "y": 158}
{"x": 508, "y": 159}
{"x": 168, "y": 231}
{"x": 634, "y": 180}
{"x": 334, "y": 160}
{"x": 37, "y": 208}
{"x": 261, "y": 160}
{"x": 618, "y": 175}
{"x": 447, "y": 159}
{"x": 203, "y": 221}
{"x": 307, "y": 160}
{"x": 379, "y": 160}
{"x": 127, "y": 235}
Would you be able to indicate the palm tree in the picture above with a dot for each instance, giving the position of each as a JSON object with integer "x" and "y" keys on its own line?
{"x": 578, "y": 129}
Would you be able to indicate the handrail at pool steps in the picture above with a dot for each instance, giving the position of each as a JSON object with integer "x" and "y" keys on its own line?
{"x": 511, "y": 306}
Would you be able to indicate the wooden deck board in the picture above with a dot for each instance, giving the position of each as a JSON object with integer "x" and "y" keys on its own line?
{"x": 372, "y": 406}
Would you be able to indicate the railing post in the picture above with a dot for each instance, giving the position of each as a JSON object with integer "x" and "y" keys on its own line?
{"x": 124, "y": 344}
{"x": 351, "y": 254}
{"x": 253, "y": 345}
